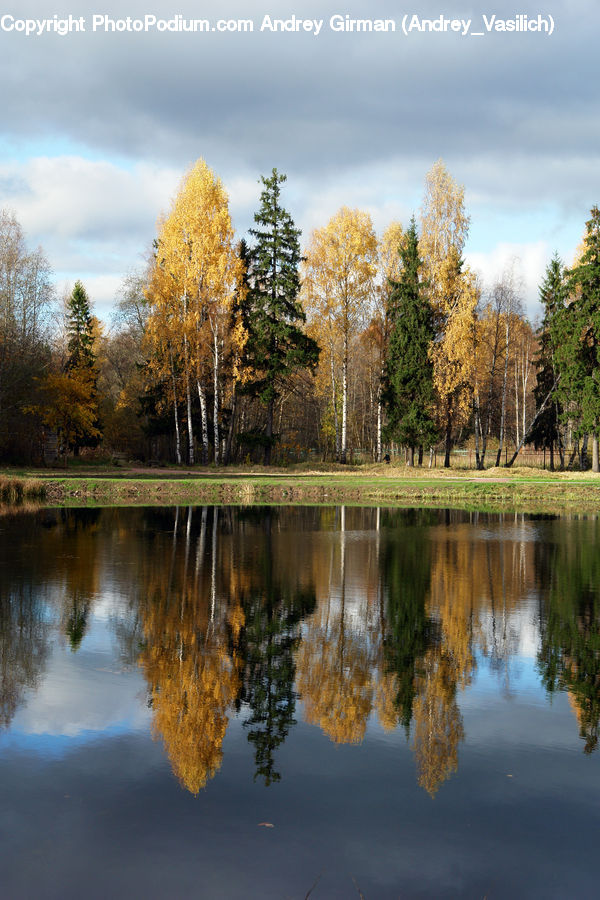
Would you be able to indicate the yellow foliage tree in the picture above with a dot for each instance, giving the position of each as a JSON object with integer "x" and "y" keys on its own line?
{"x": 452, "y": 356}
{"x": 453, "y": 294}
{"x": 196, "y": 276}
{"x": 339, "y": 280}
{"x": 69, "y": 406}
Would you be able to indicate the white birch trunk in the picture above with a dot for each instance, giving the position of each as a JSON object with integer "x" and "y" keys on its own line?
{"x": 345, "y": 400}
{"x": 177, "y": 435}
{"x": 334, "y": 398}
{"x": 216, "y": 391}
{"x": 189, "y": 419}
{"x": 504, "y": 383}
{"x": 203, "y": 417}
{"x": 516, "y": 400}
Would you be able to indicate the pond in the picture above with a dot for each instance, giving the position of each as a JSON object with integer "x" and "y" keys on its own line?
{"x": 298, "y": 701}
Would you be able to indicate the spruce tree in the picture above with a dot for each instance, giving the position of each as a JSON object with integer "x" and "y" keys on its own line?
{"x": 408, "y": 393}
{"x": 584, "y": 285}
{"x": 277, "y": 344}
{"x": 80, "y": 336}
{"x": 81, "y": 366}
{"x": 545, "y": 432}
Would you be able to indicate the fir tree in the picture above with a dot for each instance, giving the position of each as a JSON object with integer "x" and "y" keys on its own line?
{"x": 545, "y": 432}
{"x": 408, "y": 389}
{"x": 584, "y": 285}
{"x": 277, "y": 345}
{"x": 80, "y": 332}
{"x": 81, "y": 368}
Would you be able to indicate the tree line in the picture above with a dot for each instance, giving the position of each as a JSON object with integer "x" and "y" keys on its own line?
{"x": 224, "y": 350}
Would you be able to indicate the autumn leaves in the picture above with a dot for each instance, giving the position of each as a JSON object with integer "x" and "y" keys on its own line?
{"x": 194, "y": 280}
{"x": 228, "y": 321}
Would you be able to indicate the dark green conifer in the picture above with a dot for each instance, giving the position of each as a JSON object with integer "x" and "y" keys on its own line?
{"x": 80, "y": 333}
{"x": 277, "y": 345}
{"x": 546, "y": 432}
{"x": 81, "y": 361}
{"x": 408, "y": 381}
{"x": 578, "y": 341}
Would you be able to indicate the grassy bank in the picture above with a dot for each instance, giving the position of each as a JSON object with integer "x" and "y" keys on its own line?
{"x": 496, "y": 489}
{"x": 15, "y": 489}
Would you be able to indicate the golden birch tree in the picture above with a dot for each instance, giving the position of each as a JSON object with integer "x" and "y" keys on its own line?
{"x": 453, "y": 361}
{"x": 200, "y": 273}
{"x": 339, "y": 280}
{"x": 453, "y": 295}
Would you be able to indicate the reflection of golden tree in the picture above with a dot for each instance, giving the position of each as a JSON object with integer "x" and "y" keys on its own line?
{"x": 438, "y": 722}
{"x": 585, "y": 708}
{"x": 190, "y": 696}
{"x": 386, "y": 698}
{"x": 191, "y": 675}
{"x": 334, "y": 679}
{"x": 476, "y": 588}
{"x": 452, "y": 599}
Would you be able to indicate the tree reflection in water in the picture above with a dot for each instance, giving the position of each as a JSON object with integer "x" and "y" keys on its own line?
{"x": 361, "y": 614}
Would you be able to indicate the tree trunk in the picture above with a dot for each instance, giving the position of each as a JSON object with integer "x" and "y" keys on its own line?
{"x": 532, "y": 423}
{"x": 204, "y": 419}
{"x": 560, "y": 442}
{"x": 516, "y": 400}
{"x": 420, "y": 458}
{"x": 230, "y": 432}
{"x": 216, "y": 393}
{"x": 177, "y": 435}
{"x": 379, "y": 417}
{"x": 488, "y": 411}
{"x": 344, "y": 400}
{"x": 448, "y": 441}
{"x": 410, "y": 456}
{"x": 573, "y": 456}
{"x": 504, "y": 386}
{"x": 270, "y": 414}
{"x": 188, "y": 394}
{"x": 188, "y": 391}
{"x": 334, "y": 401}
{"x": 595, "y": 460}
{"x": 583, "y": 460}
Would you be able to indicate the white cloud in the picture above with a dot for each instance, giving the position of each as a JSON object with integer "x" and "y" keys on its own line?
{"x": 74, "y": 697}
{"x": 93, "y": 218}
{"x": 85, "y": 200}
{"x": 529, "y": 261}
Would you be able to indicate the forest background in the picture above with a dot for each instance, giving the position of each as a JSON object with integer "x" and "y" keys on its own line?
{"x": 87, "y": 179}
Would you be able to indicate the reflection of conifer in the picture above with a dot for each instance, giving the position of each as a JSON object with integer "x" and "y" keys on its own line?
{"x": 266, "y": 644}
{"x": 409, "y": 630}
{"x": 76, "y": 624}
{"x": 24, "y": 621}
{"x": 569, "y": 658}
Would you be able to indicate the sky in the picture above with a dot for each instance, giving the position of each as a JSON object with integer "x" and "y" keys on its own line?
{"x": 99, "y": 126}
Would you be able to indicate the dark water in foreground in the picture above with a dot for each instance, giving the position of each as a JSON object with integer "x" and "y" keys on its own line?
{"x": 409, "y": 698}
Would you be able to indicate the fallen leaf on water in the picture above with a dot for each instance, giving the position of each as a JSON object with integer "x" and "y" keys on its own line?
{"x": 266, "y": 824}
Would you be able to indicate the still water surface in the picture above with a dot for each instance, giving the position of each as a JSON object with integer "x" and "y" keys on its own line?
{"x": 256, "y": 702}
